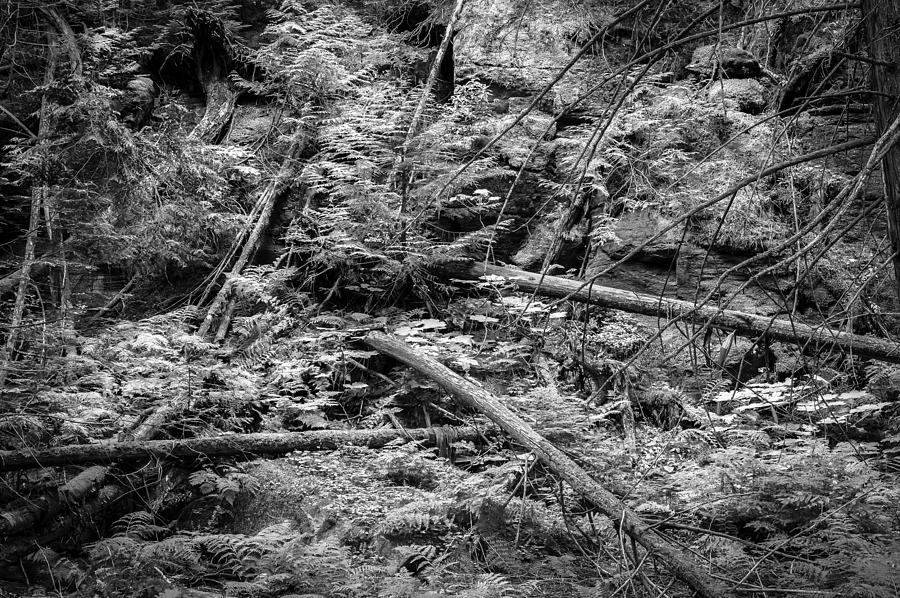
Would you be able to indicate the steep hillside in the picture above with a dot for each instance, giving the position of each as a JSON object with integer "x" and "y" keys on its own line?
{"x": 471, "y": 298}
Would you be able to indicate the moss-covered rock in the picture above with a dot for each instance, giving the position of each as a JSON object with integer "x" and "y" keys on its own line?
{"x": 745, "y": 95}
{"x": 733, "y": 63}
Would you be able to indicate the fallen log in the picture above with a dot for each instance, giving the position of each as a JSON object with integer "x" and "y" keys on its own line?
{"x": 156, "y": 421}
{"x": 811, "y": 339}
{"x": 65, "y": 527}
{"x": 31, "y": 512}
{"x": 270, "y": 194}
{"x": 682, "y": 564}
{"x": 36, "y": 509}
{"x": 226, "y": 445}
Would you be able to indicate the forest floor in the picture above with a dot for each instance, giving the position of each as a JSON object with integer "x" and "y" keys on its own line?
{"x": 775, "y": 485}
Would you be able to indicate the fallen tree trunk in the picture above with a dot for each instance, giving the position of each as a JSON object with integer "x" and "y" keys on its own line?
{"x": 29, "y": 513}
{"x": 231, "y": 444}
{"x": 155, "y": 422}
{"x": 267, "y": 202}
{"x": 681, "y": 563}
{"x": 64, "y": 527}
{"x": 811, "y": 339}
{"x": 38, "y": 508}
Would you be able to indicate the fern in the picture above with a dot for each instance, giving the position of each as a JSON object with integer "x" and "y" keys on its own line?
{"x": 430, "y": 516}
{"x": 139, "y": 525}
{"x": 878, "y": 373}
{"x": 182, "y": 315}
{"x": 754, "y": 438}
{"x": 21, "y": 430}
{"x": 694, "y": 438}
{"x": 322, "y": 53}
{"x": 488, "y": 585}
{"x": 62, "y": 570}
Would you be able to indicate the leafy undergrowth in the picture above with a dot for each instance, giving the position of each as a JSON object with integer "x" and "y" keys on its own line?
{"x": 783, "y": 482}
{"x": 775, "y": 485}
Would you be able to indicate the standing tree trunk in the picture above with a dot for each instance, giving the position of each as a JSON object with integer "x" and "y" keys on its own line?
{"x": 38, "y": 199}
{"x": 883, "y": 32}
{"x": 214, "y": 58}
{"x": 68, "y": 37}
{"x": 401, "y": 174}
{"x": 62, "y": 295}
{"x": 12, "y": 335}
{"x": 55, "y": 230}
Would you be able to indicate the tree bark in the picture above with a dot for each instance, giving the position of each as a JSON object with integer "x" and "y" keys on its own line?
{"x": 247, "y": 445}
{"x": 225, "y": 321}
{"x": 62, "y": 295}
{"x": 680, "y": 562}
{"x": 34, "y": 510}
{"x": 221, "y": 99}
{"x": 811, "y": 339}
{"x": 68, "y": 36}
{"x": 883, "y": 31}
{"x": 12, "y": 335}
{"x": 213, "y": 60}
{"x": 156, "y": 420}
{"x": 55, "y": 232}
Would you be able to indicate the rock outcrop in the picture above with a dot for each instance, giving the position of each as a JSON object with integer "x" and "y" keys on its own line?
{"x": 727, "y": 62}
{"x": 744, "y": 95}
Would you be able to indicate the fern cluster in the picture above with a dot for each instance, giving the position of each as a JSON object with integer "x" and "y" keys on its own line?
{"x": 323, "y": 53}
{"x": 356, "y": 224}
{"x": 421, "y": 544}
{"x": 822, "y": 507}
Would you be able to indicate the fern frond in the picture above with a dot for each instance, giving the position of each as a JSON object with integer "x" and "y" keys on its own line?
{"x": 140, "y": 525}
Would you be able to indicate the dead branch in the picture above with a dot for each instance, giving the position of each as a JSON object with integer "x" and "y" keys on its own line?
{"x": 120, "y": 296}
{"x": 415, "y": 122}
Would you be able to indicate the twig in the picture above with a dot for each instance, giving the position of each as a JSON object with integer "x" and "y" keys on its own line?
{"x": 15, "y": 119}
